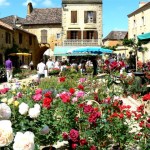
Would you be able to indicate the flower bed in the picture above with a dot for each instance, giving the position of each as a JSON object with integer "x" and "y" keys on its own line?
{"x": 86, "y": 112}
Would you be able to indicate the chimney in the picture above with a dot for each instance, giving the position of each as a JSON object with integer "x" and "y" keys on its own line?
{"x": 29, "y": 8}
{"x": 141, "y": 4}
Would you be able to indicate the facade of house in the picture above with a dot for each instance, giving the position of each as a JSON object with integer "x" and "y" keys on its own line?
{"x": 139, "y": 23}
{"x": 114, "y": 39}
{"x": 17, "y": 39}
{"x": 82, "y": 22}
{"x": 6, "y": 39}
{"x": 46, "y": 25}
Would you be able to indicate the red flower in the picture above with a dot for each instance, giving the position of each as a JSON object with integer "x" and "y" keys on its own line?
{"x": 107, "y": 62}
{"x": 93, "y": 117}
{"x": 93, "y": 147}
{"x": 81, "y": 87}
{"x": 128, "y": 114}
{"x": 74, "y": 135}
{"x": 38, "y": 91}
{"x": 141, "y": 124}
{"x": 74, "y": 146}
{"x": 81, "y": 105}
{"x": 48, "y": 94}
{"x": 83, "y": 142}
{"x": 76, "y": 119}
{"x": 146, "y": 97}
{"x": 140, "y": 108}
{"x": 47, "y": 102}
{"x": 65, "y": 97}
{"x": 88, "y": 109}
{"x": 121, "y": 115}
{"x": 65, "y": 135}
{"x": 72, "y": 90}
{"x": 148, "y": 125}
{"x": 62, "y": 79}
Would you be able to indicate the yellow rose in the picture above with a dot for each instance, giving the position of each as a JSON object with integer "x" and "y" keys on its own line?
{"x": 16, "y": 103}
{"x": 4, "y": 100}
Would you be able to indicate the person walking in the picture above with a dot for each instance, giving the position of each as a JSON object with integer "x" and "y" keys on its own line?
{"x": 9, "y": 69}
{"x": 50, "y": 64}
{"x": 41, "y": 67}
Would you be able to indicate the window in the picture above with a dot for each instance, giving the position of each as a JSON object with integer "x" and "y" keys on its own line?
{"x": 90, "y": 17}
{"x": 8, "y": 38}
{"x": 90, "y": 34}
{"x": 30, "y": 40}
{"x": 43, "y": 36}
{"x": 134, "y": 24}
{"x": 74, "y": 35}
{"x": 143, "y": 21}
{"x": 58, "y": 35}
{"x": 73, "y": 16}
{"x": 20, "y": 38}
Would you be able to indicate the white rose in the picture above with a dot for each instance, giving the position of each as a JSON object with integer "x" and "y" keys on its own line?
{"x": 34, "y": 112}
{"x": 6, "y": 133}
{"x": 24, "y": 141}
{"x": 5, "y": 111}
{"x": 23, "y": 108}
{"x": 37, "y": 106}
{"x": 45, "y": 130}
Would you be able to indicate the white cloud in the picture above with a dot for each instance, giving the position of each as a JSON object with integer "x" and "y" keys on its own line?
{"x": 4, "y": 3}
{"x": 27, "y": 1}
{"x": 47, "y": 3}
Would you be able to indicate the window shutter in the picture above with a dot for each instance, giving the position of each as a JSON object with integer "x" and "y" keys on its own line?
{"x": 95, "y": 35}
{"x": 73, "y": 16}
{"x": 85, "y": 17}
{"x": 43, "y": 36}
{"x": 84, "y": 35}
{"x": 68, "y": 35}
{"x": 94, "y": 17}
{"x": 79, "y": 34}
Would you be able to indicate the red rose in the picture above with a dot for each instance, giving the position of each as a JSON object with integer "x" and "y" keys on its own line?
{"x": 48, "y": 94}
{"x": 93, "y": 147}
{"x": 121, "y": 115}
{"x": 74, "y": 135}
{"x": 65, "y": 97}
{"x": 81, "y": 87}
{"x": 74, "y": 146}
{"x": 81, "y": 105}
{"x": 93, "y": 117}
{"x": 128, "y": 114}
{"x": 47, "y": 102}
{"x": 62, "y": 79}
{"x": 141, "y": 124}
{"x": 83, "y": 142}
{"x": 146, "y": 97}
{"x": 72, "y": 90}
{"x": 65, "y": 136}
{"x": 88, "y": 109}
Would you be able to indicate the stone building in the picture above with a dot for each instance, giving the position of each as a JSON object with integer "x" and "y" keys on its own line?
{"x": 19, "y": 40}
{"x": 82, "y": 22}
{"x": 139, "y": 23}
{"x": 6, "y": 39}
{"x": 46, "y": 25}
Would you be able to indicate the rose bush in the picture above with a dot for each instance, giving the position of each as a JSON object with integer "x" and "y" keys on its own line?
{"x": 86, "y": 112}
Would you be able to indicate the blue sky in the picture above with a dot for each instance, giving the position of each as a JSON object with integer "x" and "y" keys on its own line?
{"x": 114, "y": 11}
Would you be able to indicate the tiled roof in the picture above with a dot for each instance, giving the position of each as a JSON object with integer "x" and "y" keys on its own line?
{"x": 5, "y": 25}
{"x": 147, "y": 6}
{"x": 45, "y": 16}
{"x": 116, "y": 35}
{"x": 81, "y": 1}
{"x": 10, "y": 20}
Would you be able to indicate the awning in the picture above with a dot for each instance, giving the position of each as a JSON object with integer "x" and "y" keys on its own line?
{"x": 145, "y": 36}
{"x": 68, "y": 51}
{"x": 93, "y": 50}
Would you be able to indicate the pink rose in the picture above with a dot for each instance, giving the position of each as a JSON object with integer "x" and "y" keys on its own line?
{"x": 80, "y": 94}
{"x": 37, "y": 97}
{"x": 38, "y": 91}
{"x": 88, "y": 109}
{"x": 74, "y": 135}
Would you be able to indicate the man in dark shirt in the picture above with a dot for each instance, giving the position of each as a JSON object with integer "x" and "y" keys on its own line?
{"x": 8, "y": 66}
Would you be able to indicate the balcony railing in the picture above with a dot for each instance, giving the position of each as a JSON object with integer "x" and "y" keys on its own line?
{"x": 80, "y": 42}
